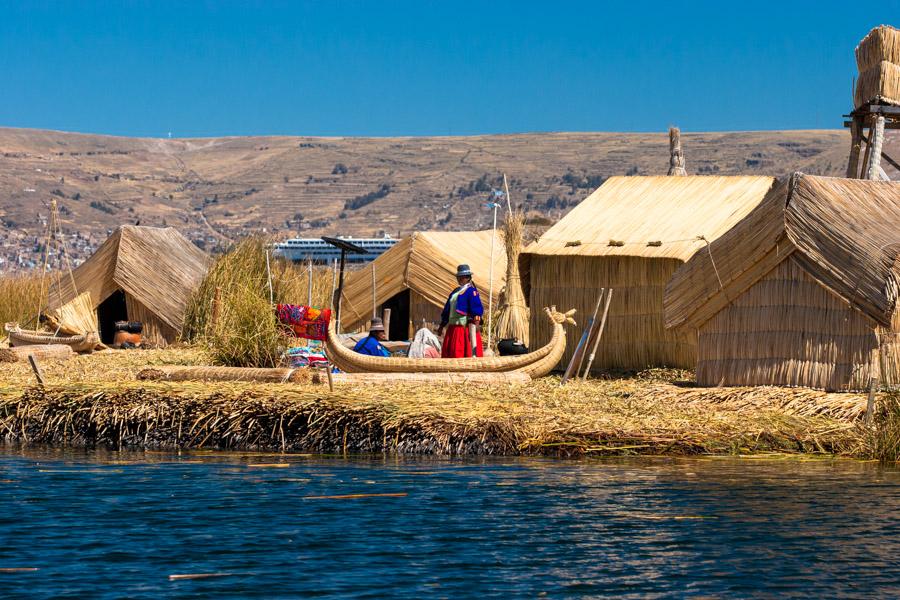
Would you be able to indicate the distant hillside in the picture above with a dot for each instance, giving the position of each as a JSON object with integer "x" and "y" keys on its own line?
{"x": 221, "y": 188}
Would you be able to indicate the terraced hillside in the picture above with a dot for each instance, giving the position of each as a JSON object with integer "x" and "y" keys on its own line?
{"x": 218, "y": 189}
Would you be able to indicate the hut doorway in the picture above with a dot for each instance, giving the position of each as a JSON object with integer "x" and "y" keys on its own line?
{"x": 108, "y": 312}
{"x": 399, "y": 305}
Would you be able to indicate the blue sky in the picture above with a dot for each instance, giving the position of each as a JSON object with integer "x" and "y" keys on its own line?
{"x": 427, "y": 68}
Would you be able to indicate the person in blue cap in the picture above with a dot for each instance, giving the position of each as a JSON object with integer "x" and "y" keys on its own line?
{"x": 371, "y": 344}
{"x": 462, "y": 313}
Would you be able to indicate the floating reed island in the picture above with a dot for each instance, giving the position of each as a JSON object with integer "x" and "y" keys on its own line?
{"x": 97, "y": 400}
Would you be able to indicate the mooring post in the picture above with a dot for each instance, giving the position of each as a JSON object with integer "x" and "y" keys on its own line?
{"x": 870, "y": 402}
{"x": 36, "y": 368}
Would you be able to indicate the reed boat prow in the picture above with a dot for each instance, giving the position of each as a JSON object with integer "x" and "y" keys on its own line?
{"x": 535, "y": 364}
{"x": 29, "y": 337}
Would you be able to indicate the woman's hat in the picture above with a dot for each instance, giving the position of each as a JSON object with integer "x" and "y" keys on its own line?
{"x": 463, "y": 271}
{"x": 377, "y": 325}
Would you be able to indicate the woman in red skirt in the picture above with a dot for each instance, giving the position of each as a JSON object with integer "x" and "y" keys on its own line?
{"x": 462, "y": 310}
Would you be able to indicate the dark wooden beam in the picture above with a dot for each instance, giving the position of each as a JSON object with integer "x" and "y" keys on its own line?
{"x": 890, "y": 161}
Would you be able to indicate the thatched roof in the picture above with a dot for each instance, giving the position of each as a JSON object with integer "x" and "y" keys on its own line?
{"x": 426, "y": 263}
{"x": 652, "y": 216}
{"x": 845, "y": 233}
{"x": 157, "y": 267}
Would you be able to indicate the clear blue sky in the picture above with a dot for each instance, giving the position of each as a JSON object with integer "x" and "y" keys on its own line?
{"x": 417, "y": 68}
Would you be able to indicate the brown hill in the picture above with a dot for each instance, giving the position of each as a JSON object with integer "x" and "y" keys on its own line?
{"x": 217, "y": 189}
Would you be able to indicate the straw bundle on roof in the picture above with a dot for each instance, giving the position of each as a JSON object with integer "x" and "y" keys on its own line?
{"x": 655, "y": 222}
{"x": 512, "y": 321}
{"x": 880, "y": 44}
{"x": 880, "y": 83}
{"x": 49, "y": 351}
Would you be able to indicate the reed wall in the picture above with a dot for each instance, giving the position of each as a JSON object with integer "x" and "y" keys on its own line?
{"x": 156, "y": 333}
{"x": 789, "y": 330}
{"x": 635, "y": 336}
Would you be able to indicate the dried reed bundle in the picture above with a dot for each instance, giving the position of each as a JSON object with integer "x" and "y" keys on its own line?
{"x": 880, "y": 44}
{"x": 191, "y": 373}
{"x": 77, "y": 316}
{"x": 50, "y": 352}
{"x": 880, "y": 83}
{"x": 512, "y": 319}
{"x": 676, "y": 156}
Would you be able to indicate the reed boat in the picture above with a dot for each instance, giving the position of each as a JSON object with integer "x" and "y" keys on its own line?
{"x": 535, "y": 364}
{"x": 30, "y": 337}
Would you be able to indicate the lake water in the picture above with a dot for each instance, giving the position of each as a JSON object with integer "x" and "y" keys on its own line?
{"x": 113, "y": 525}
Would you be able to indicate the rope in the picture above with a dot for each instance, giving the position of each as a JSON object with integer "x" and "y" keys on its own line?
{"x": 287, "y": 376}
{"x": 618, "y": 243}
{"x": 712, "y": 260}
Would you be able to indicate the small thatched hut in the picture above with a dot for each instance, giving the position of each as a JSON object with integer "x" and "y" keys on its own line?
{"x": 144, "y": 274}
{"x": 802, "y": 292}
{"x": 415, "y": 277}
{"x": 630, "y": 235}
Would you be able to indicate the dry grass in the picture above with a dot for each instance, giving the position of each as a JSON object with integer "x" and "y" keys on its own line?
{"x": 96, "y": 400}
{"x": 20, "y": 298}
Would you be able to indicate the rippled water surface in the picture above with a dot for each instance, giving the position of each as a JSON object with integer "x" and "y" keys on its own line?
{"x": 119, "y": 525}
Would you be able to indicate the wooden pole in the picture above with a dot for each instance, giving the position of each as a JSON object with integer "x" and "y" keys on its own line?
{"x": 874, "y": 171}
{"x": 309, "y": 282}
{"x": 333, "y": 278}
{"x": 870, "y": 401}
{"x": 374, "y": 306}
{"x": 868, "y": 152}
{"x": 386, "y": 320}
{"x": 506, "y": 191}
{"x": 579, "y": 349}
{"x": 590, "y": 363}
{"x": 592, "y": 322}
{"x": 855, "y": 147}
{"x": 36, "y": 368}
{"x": 340, "y": 292}
{"x": 491, "y": 279}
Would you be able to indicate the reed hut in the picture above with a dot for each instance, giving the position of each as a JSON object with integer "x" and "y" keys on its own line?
{"x": 415, "y": 277}
{"x": 802, "y": 292}
{"x": 630, "y": 235}
{"x": 144, "y": 274}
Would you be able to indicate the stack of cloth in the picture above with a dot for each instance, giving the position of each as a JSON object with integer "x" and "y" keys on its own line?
{"x": 311, "y": 355}
{"x": 878, "y": 60}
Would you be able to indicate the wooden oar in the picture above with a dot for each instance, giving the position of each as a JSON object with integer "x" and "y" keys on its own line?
{"x": 587, "y": 369}
{"x": 579, "y": 349}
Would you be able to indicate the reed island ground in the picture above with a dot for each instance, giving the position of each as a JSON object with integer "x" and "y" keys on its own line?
{"x": 97, "y": 400}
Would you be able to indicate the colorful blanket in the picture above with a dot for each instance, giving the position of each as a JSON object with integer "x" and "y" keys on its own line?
{"x": 304, "y": 321}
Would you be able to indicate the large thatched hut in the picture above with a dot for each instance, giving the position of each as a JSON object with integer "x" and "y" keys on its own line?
{"x": 144, "y": 274}
{"x": 630, "y": 235}
{"x": 415, "y": 277}
{"x": 802, "y": 292}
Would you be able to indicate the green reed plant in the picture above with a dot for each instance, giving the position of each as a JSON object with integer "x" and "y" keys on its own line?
{"x": 240, "y": 329}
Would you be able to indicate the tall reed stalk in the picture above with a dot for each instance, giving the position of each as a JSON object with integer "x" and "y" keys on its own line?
{"x": 20, "y": 299}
